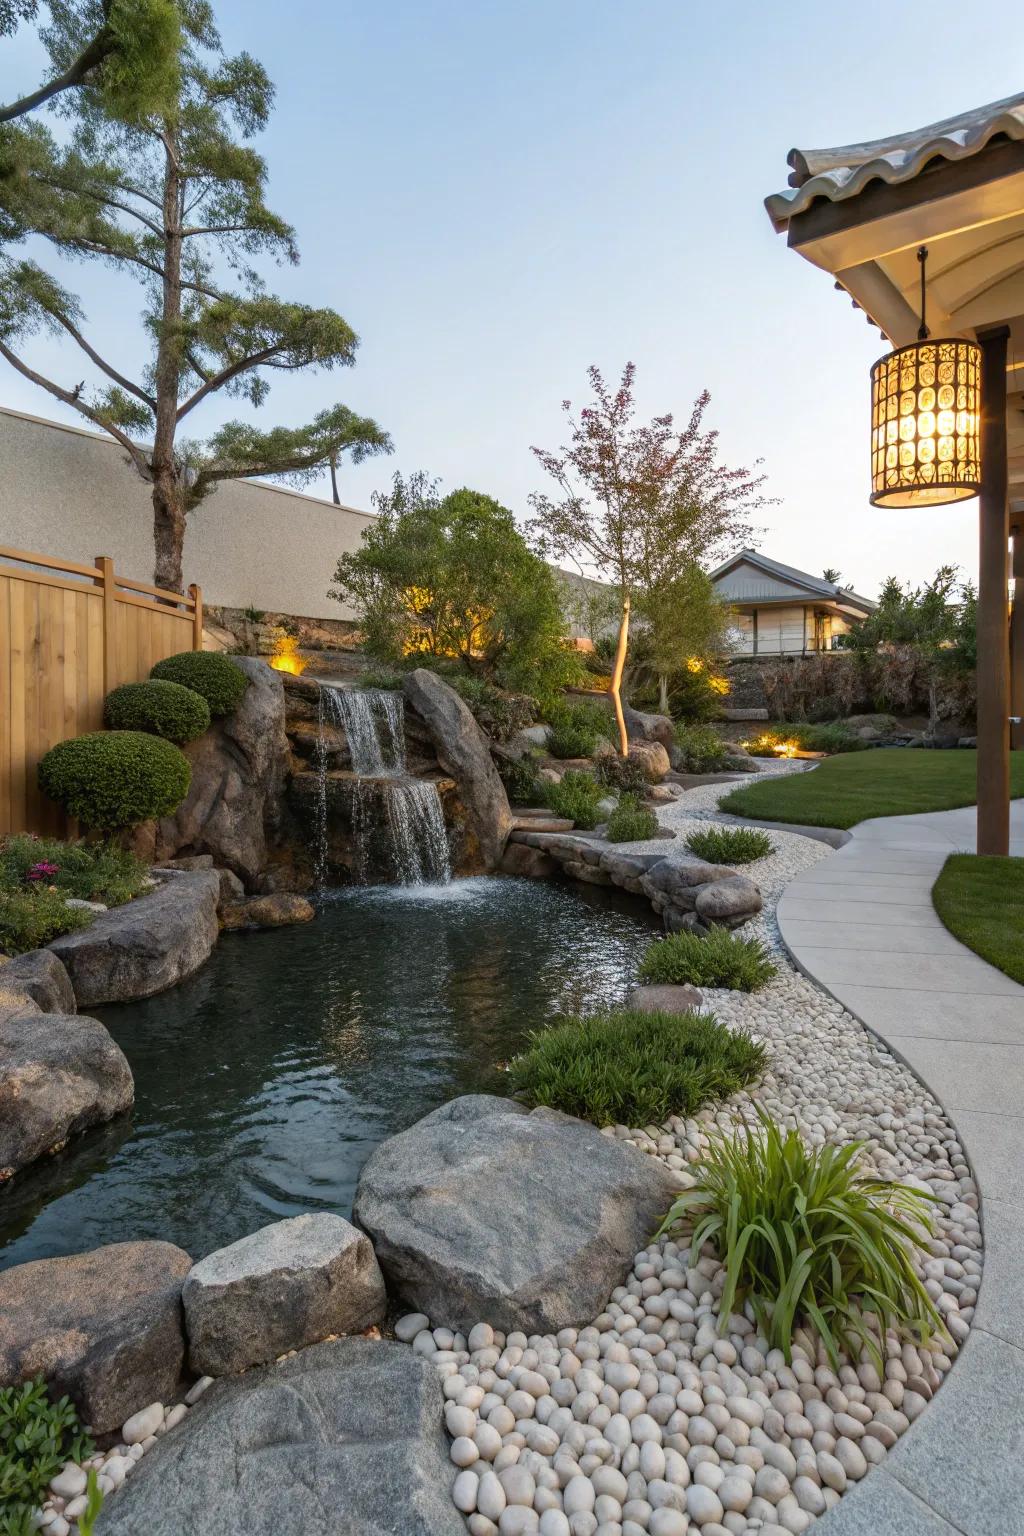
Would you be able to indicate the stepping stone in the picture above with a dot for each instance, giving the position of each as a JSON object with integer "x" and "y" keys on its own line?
{"x": 665, "y": 999}
{"x": 542, "y": 824}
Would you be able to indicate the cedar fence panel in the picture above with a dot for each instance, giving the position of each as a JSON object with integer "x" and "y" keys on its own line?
{"x": 68, "y": 634}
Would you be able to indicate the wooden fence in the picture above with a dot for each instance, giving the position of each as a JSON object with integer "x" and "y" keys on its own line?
{"x": 68, "y": 634}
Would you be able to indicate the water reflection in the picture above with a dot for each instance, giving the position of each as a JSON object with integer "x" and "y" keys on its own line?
{"x": 263, "y": 1083}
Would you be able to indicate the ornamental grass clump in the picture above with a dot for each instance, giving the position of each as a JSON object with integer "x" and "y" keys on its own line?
{"x": 730, "y": 845}
{"x": 631, "y": 822}
{"x": 632, "y": 1068}
{"x": 805, "y": 1237}
{"x": 720, "y": 959}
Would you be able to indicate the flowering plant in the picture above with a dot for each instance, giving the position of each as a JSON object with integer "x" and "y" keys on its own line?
{"x": 42, "y": 871}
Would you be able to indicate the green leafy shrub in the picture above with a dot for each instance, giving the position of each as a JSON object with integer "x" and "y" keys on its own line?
{"x": 832, "y": 738}
{"x": 576, "y": 797}
{"x": 632, "y": 1068}
{"x": 702, "y": 749}
{"x": 804, "y": 1236}
{"x": 730, "y": 845}
{"x": 388, "y": 679}
{"x": 113, "y": 779}
{"x": 624, "y": 774}
{"x": 498, "y": 713}
{"x": 631, "y": 822}
{"x": 159, "y": 707}
{"x": 720, "y": 959}
{"x": 215, "y": 678}
{"x": 522, "y": 785}
{"x": 30, "y": 919}
{"x": 88, "y": 871}
{"x": 576, "y": 728}
{"x": 37, "y": 1436}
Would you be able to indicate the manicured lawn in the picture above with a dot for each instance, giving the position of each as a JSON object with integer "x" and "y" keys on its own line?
{"x": 887, "y": 781}
{"x": 981, "y": 902}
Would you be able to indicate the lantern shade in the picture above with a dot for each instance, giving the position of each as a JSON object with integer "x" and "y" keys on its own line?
{"x": 926, "y": 424}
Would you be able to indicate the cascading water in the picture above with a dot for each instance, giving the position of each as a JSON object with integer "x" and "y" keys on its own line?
{"x": 387, "y": 806}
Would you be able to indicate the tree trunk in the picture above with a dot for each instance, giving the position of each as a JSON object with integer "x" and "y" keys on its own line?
{"x": 616, "y": 684}
{"x": 933, "y": 704}
{"x": 168, "y": 533}
{"x": 334, "y": 482}
{"x": 663, "y": 692}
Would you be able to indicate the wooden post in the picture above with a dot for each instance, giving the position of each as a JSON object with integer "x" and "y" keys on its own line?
{"x": 196, "y": 594}
{"x": 1017, "y": 639}
{"x": 993, "y": 636}
{"x": 106, "y": 583}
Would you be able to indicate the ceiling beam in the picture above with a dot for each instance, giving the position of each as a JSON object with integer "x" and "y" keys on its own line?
{"x": 884, "y": 304}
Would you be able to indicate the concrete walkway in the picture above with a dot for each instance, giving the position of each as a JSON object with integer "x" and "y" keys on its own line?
{"x": 862, "y": 924}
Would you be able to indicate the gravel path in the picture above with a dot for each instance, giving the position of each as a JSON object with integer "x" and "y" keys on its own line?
{"x": 648, "y": 1422}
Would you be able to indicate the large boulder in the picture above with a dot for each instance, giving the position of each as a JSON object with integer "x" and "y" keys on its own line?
{"x": 146, "y": 945}
{"x": 729, "y": 901}
{"x": 37, "y": 977}
{"x": 288, "y": 1285}
{"x": 238, "y": 773}
{"x": 652, "y": 758}
{"x": 59, "y": 1074}
{"x": 280, "y": 909}
{"x": 346, "y": 1437}
{"x": 484, "y": 1212}
{"x": 649, "y": 727}
{"x": 104, "y": 1327}
{"x": 463, "y": 752}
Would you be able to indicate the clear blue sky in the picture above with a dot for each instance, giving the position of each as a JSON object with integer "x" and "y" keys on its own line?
{"x": 496, "y": 195}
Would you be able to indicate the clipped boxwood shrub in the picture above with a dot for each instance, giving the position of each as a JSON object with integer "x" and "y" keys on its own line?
{"x": 113, "y": 779}
{"x": 216, "y": 678}
{"x": 160, "y": 707}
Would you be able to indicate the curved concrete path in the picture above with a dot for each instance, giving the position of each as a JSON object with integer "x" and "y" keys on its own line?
{"x": 862, "y": 925}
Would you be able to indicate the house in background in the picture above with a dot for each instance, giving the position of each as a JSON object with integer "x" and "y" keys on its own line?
{"x": 780, "y": 611}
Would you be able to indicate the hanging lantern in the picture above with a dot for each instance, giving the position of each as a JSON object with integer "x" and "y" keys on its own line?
{"x": 926, "y": 420}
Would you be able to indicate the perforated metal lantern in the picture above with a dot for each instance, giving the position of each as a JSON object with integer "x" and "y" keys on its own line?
{"x": 926, "y": 424}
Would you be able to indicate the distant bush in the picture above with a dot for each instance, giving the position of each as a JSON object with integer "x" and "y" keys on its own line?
{"x": 216, "y": 678}
{"x": 162, "y": 708}
{"x": 387, "y": 679}
{"x": 805, "y": 1237}
{"x": 576, "y": 728}
{"x": 113, "y": 779}
{"x": 576, "y": 797}
{"x": 501, "y": 715}
{"x": 631, "y": 822}
{"x": 832, "y": 738}
{"x": 720, "y": 959}
{"x": 703, "y": 750}
{"x": 30, "y": 919}
{"x": 632, "y": 1068}
{"x": 521, "y": 782}
{"x": 730, "y": 845}
{"x": 624, "y": 774}
{"x": 89, "y": 871}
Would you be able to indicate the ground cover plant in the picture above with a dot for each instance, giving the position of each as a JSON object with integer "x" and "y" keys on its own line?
{"x": 719, "y": 959}
{"x": 805, "y": 1236}
{"x": 161, "y": 707}
{"x": 631, "y": 822}
{"x": 889, "y": 781}
{"x": 702, "y": 749}
{"x": 216, "y": 678}
{"x": 30, "y": 919}
{"x": 730, "y": 845}
{"x": 576, "y": 797}
{"x": 37, "y": 1436}
{"x": 981, "y": 902}
{"x": 113, "y": 779}
{"x": 631, "y": 1068}
{"x": 89, "y": 871}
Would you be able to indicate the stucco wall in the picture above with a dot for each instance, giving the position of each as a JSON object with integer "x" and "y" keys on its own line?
{"x": 69, "y": 493}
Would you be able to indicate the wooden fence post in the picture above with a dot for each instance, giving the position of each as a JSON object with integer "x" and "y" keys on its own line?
{"x": 106, "y": 582}
{"x": 196, "y": 594}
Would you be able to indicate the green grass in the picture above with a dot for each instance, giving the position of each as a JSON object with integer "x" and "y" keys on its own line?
{"x": 890, "y": 781}
{"x": 730, "y": 845}
{"x": 805, "y": 1237}
{"x": 633, "y": 1068}
{"x": 981, "y": 902}
{"x": 719, "y": 960}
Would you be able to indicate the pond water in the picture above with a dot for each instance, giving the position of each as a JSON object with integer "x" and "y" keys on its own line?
{"x": 263, "y": 1083}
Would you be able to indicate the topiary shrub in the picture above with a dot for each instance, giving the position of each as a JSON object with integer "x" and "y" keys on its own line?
{"x": 634, "y": 1068}
{"x": 719, "y": 960}
{"x": 114, "y": 779}
{"x": 216, "y": 678}
{"x": 160, "y": 707}
{"x": 575, "y": 797}
{"x": 631, "y": 822}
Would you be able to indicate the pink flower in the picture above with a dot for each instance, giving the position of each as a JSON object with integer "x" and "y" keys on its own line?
{"x": 42, "y": 871}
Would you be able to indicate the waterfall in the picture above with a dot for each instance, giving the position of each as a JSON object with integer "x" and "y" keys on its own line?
{"x": 397, "y": 822}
